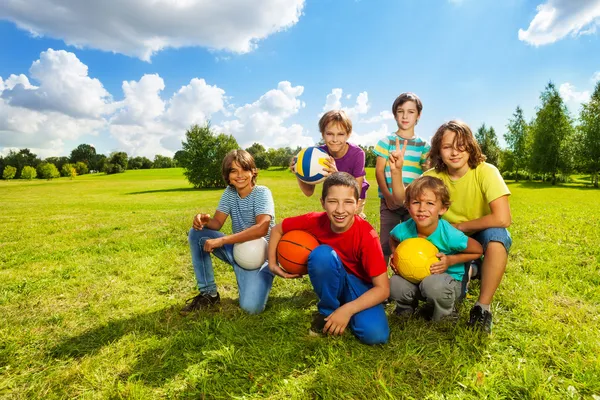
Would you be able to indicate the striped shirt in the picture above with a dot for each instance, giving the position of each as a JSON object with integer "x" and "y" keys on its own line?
{"x": 243, "y": 211}
{"x": 414, "y": 158}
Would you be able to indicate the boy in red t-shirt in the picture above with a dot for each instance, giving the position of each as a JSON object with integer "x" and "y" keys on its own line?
{"x": 347, "y": 270}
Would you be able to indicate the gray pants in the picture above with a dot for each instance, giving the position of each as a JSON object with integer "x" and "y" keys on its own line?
{"x": 441, "y": 290}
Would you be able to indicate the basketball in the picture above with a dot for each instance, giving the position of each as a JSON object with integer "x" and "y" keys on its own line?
{"x": 251, "y": 254}
{"x": 293, "y": 250}
{"x": 414, "y": 257}
{"x": 310, "y": 165}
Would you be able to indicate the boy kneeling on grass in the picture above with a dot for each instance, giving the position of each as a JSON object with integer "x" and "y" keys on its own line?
{"x": 427, "y": 199}
{"x": 347, "y": 270}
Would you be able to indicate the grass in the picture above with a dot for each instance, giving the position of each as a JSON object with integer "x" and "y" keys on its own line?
{"x": 94, "y": 270}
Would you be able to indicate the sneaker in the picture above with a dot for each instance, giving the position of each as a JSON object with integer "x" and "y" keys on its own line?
{"x": 404, "y": 313}
{"x": 317, "y": 325}
{"x": 202, "y": 300}
{"x": 480, "y": 319}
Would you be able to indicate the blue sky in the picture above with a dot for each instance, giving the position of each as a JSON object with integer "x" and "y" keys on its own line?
{"x": 123, "y": 76}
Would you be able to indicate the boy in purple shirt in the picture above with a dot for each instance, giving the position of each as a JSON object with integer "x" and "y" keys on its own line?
{"x": 335, "y": 128}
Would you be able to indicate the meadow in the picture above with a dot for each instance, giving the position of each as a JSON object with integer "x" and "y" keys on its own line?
{"x": 93, "y": 272}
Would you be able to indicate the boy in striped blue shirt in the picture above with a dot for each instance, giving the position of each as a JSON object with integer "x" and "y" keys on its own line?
{"x": 407, "y": 110}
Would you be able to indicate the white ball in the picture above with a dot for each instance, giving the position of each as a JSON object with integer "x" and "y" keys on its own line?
{"x": 251, "y": 254}
{"x": 310, "y": 165}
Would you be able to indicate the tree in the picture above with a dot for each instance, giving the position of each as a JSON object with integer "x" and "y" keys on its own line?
{"x": 589, "y": 128}
{"x": 139, "y": 163}
{"x": 28, "y": 173}
{"x": 162, "y": 162}
{"x": 179, "y": 154}
{"x": 551, "y": 132}
{"x": 9, "y": 172}
{"x": 68, "y": 170}
{"x": 370, "y": 157}
{"x": 260, "y": 155}
{"x": 204, "y": 152}
{"x": 84, "y": 153}
{"x": 81, "y": 168}
{"x": 21, "y": 159}
{"x": 57, "y": 161}
{"x": 489, "y": 143}
{"x": 516, "y": 140}
{"x": 47, "y": 171}
{"x": 281, "y": 157}
{"x": 116, "y": 158}
{"x": 97, "y": 163}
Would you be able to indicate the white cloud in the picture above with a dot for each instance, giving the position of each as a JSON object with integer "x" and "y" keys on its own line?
{"x": 195, "y": 103}
{"x": 570, "y": 94}
{"x": 333, "y": 102}
{"x": 64, "y": 87}
{"x": 141, "y": 29}
{"x": 383, "y": 116}
{"x": 142, "y": 102}
{"x": 556, "y": 19}
{"x": 596, "y": 77}
{"x": 370, "y": 138}
{"x": 263, "y": 121}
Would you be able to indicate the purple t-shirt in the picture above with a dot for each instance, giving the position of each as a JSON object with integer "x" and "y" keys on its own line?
{"x": 353, "y": 162}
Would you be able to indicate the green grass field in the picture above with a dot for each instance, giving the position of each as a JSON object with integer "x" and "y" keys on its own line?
{"x": 93, "y": 272}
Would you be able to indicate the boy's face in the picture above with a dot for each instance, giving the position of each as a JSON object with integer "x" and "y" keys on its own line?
{"x": 239, "y": 177}
{"x": 335, "y": 137}
{"x": 407, "y": 115}
{"x": 426, "y": 209}
{"x": 340, "y": 206}
{"x": 455, "y": 159}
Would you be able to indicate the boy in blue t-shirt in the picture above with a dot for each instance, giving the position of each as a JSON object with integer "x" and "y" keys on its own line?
{"x": 407, "y": 110}
{"x": 427, "y": 199}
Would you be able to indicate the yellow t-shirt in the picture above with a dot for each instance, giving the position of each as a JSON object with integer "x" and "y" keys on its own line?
{"x": 472, "y": 194}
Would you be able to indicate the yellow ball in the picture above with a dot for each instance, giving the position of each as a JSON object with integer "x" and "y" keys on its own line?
{"x": 414, "y": 257}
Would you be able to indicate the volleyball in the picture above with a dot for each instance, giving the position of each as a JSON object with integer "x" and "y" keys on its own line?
{"x": 310, "y": 165}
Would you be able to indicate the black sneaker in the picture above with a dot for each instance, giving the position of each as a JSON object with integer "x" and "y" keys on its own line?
{"x": 404, "y": 313}
{"x": 480, "y": 319}
{"x": 202, "y": 300}
{"x": 318, "y": 323}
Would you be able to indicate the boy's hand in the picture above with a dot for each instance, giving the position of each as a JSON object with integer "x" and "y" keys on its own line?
{"x": 200, "y": 220}
{"x": 441, "y": 266}
{"x": 337, "y": 321}
{"x": 293, "y": 162}
{"x": 331, "y": 167}
{"x": 212, "y": 244}
{"x": 396, "y": 157}
{"x": 389, "y": 201}
{"x": 277, "y": 270}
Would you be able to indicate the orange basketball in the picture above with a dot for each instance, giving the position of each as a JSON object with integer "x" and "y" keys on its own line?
{"x": 293, "y": 250}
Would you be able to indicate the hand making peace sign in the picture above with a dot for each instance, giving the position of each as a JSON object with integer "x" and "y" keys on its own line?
{"x": 397, "y": 156}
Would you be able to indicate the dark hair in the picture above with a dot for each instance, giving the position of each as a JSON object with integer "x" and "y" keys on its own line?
{"x": 244, "y": 159}
{"x": 403, "y": 98}
{"x": 436, "y": 185}
{"x": 340, "y": 179}
{"x": 338, "y": 116}
{"x": 463, "y": 141}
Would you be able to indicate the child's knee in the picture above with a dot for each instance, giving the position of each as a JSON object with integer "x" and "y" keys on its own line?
{"x": 438, "y": 287}
{"x": 251, "y": 305}
{"x": 375, "y": 334}
{"x": 321, "y": 258}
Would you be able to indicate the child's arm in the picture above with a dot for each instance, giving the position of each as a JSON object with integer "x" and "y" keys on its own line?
{"x": 258, "y": 230}
{"x": 396, "y": 163}
{"x": 338, "y": 320}
{"x": 380, "y": 176}
{"x": 204, "y": 220}
{"x": 276, "y": 234}
{"x": 472, "y": 252}
{"x": 500, "y": 217}
{"x": 307, "y": 189}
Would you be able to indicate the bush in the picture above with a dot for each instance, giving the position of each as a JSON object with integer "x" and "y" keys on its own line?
{"x": 9, "y": 172}
{"x": 28, "y": 173}
{"x": 47, "y": 171}
{"x": 113, "y": 168}
{"x": 68, "y": 170}
{"x": 81, "y": 168}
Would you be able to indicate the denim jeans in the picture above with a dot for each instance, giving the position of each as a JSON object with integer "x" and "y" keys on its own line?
{"x": 254, "y": 285}
{"x": 335, "y": 287}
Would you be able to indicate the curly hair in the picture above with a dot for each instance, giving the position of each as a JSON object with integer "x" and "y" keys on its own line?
{"x": 463, "y": 141}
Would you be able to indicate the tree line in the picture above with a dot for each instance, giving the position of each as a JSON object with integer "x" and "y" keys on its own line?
{"x": 549, "y": 147}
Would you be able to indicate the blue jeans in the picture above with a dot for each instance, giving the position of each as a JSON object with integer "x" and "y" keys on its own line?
{"x": 335, "y": 287}
{"x": 254, "y": 286}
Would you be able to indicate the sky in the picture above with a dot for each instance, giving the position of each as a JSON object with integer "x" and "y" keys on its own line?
{"x": 124, "y": 75}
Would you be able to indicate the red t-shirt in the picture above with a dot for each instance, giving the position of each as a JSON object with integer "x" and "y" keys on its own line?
{"x": 358, "y": 248}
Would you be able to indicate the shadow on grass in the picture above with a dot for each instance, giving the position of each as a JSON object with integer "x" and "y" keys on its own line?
{"x": 225, "y": 352}
{"x": 177, "y": 190}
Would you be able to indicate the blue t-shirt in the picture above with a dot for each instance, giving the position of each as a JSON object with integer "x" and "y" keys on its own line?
{"x": 243, "y": 211}
{"x": 415, "y": 157}
{"x": 446, "y": 238}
